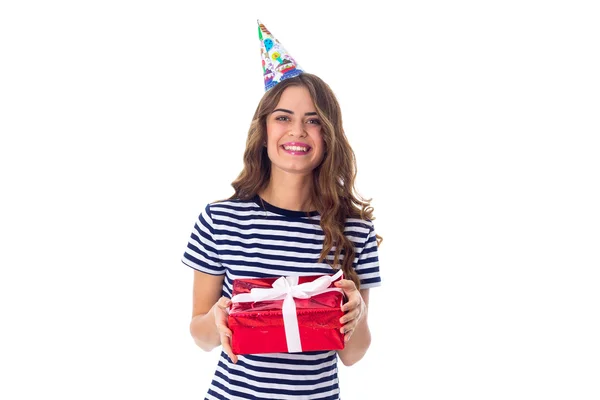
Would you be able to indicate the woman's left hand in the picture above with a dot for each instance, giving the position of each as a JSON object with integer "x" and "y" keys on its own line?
{"x": 354, "y": 309}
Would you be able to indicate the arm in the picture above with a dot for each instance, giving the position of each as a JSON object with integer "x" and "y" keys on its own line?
{"x": 355, "y": 325}
{"x": 207, "y": 291}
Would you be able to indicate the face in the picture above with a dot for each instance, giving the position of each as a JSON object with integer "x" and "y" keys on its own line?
{"x": 294, "y": 141}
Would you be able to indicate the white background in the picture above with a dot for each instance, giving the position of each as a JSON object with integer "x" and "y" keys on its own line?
{"x": 475, "y": 126}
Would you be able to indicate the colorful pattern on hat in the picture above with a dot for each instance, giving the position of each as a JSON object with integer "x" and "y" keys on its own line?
{"x": 277, "y": 63}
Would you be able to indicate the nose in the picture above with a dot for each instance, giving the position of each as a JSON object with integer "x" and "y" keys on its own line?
{"x": 298, "y": 129}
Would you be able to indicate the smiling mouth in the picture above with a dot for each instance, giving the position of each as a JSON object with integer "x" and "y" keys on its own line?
{"x": 299, "y": 149}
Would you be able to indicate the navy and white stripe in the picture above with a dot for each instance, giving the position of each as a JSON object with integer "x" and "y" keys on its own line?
{"x": 250, "y": 239}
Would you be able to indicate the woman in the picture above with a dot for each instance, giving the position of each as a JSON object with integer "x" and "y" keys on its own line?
{"x": 293, "y": 201}
{"x": 293, "y": 212}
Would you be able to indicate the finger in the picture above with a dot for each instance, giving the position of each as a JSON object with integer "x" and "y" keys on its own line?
{"x": 349, "y": 326}
{"x": 348, "y": 335}
{"x": 345, "y": 285}
{"x": 224, "y": 329}
{"x": 352, "y": 303}
{"x": 224, "y": 302}
{"x": 350, "y": 316}
{"x": 226, "y": 343}
{"x": 221, "y": 318}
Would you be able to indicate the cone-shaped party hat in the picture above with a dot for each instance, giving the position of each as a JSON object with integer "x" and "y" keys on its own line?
{"x": 277, "y": 64}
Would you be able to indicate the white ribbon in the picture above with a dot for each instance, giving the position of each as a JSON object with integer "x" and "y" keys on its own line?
{"x": 287, "y": 288}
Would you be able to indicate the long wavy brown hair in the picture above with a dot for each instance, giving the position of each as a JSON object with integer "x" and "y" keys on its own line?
{"x": 333, "y": 191}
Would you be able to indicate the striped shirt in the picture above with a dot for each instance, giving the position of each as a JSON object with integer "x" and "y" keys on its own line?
{"x": 254, "y": 239}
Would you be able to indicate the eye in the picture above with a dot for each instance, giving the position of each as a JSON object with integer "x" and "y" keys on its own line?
{"x": 282, "y": 118}
{"x": 314, "y": 121}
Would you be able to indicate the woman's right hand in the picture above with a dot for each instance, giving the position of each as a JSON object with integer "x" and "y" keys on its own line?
{"x": 221, "y": 314}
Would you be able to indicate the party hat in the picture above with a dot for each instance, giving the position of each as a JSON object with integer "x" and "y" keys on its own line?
{"x": 277, "y": 63}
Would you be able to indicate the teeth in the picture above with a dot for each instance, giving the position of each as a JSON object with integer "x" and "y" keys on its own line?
{"x": 295, "y": 148}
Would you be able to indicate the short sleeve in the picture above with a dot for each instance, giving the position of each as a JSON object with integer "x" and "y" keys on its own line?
{"x": 201, "y": 253}
{"x": 367, "y": 266}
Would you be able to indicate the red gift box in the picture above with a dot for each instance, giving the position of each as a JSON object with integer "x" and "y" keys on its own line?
{"x": 286, "y": 314}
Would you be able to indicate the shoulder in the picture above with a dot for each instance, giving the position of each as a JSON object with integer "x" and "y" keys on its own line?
{"x": 231, "y": 208}
{"x": 359, "y": 231}
{"x": 365, "y": 226}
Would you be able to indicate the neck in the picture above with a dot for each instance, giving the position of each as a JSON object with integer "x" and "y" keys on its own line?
{"x": 289, "y": 191}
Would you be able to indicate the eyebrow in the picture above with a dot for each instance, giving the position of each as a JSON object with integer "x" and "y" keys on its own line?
{"x": 291, "y": 112}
